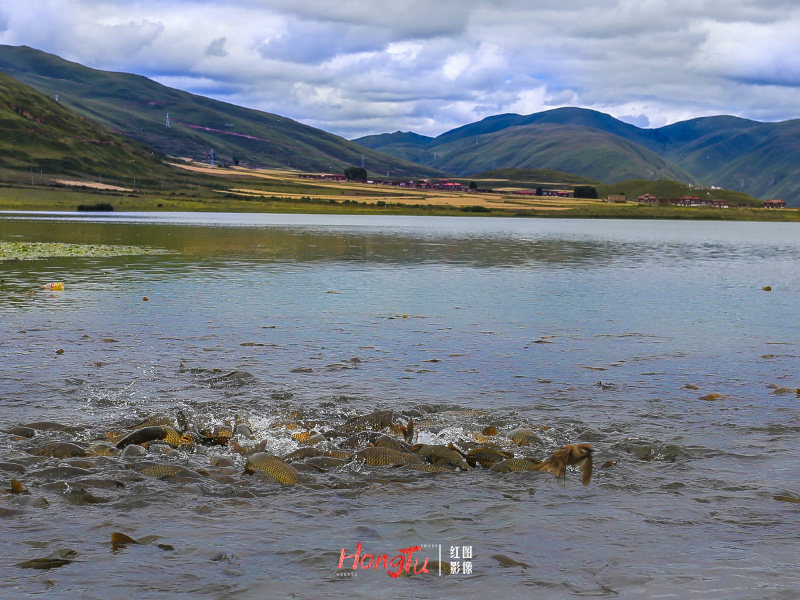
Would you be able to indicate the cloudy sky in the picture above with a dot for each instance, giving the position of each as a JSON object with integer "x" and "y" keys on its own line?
{"x": 355, "y": 67}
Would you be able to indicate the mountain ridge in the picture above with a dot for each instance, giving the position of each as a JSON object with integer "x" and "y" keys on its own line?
{"x": 759, "y": 158}
{"x": 137, "y": 107}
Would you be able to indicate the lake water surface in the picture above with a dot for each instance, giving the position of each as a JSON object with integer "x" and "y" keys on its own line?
{"x": 605, "y": 332}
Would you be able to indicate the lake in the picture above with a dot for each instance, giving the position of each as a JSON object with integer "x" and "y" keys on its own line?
{"x": 653, "y": 341}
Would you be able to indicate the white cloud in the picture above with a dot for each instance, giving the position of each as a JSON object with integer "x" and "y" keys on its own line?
{"x": 367, "y": 66}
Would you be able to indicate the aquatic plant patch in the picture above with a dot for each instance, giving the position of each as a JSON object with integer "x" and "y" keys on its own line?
{"x": 39, "y": 250}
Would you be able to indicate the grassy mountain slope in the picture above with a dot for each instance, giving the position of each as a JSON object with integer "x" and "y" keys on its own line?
{"x": 136, "y": 107}
{"x": 575, "y": 149}
{"x": 532, "y": 177}
{"x": 403, "y": 144}
{"x": 38, "y": 133}
{"x": 634, "y": 188}
{"x": 559, "y": 116}
{"x": 584, "y": 142}
{"x": 761, "y": 159}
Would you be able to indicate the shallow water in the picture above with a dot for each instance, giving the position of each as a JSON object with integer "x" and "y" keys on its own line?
{"x": 591, "y": 328}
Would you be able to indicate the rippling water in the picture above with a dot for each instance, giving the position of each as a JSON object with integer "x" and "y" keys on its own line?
{"x": 590, "y": 329}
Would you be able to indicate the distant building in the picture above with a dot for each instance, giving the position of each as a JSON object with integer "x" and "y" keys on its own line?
{"x": 694, "y": 201}
{"x": 774, "y": 203}
{"x": 324, "y": 176}
{"x": 557, "y": 193}
{"x": 617, "y": 198}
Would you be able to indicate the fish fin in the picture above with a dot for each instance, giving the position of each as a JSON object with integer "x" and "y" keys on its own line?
{"x": 408, "y": 430}
{"x": 454, "y": 448}
{"x": 122, "y": 538}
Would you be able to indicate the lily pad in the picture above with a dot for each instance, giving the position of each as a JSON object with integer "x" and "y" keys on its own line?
{"x": 40, "y": 250}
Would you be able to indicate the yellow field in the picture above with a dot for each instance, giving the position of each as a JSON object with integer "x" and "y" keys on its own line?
{"x": 279, "y": 190}
{"x": 92, "y": 184}
{"x": 322, "y": 190}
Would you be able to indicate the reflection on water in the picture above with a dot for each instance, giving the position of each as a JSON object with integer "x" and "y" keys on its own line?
{"x": 604, "y": 332}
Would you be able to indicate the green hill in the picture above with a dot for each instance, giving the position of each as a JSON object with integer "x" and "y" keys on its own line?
{"x": 137, "y": 108}
{"x": 403, "y": 144}
{"x": 634, "y": 188}
{"x": 583, "y": 142}
{"x": 39, "y": 134}
{"x": 588, "y": 152}
{"x": 530, "y": 178}
{"x": 760, "y": 159}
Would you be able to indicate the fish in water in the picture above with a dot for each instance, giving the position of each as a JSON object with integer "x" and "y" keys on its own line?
{"x": 516, "y": 465}
{"x": 522, "y": 437}
{"x": 441, "y": 455}
{"x": 53, "y": 561}
{"x": 377, "y": 421}
{"x": 579, "y": 455}
{"x": 151, "y": 434}
{"x": 59, "y": 450}
{"x": 302, "y": 453}
{"x": 388, "y": 457}
{"x": 273, "y": 467}
{"x": 486, "y": 456}
{"x": 165, "y": 470}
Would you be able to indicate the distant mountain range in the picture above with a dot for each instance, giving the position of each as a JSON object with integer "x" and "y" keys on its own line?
{"x": 137, "y": 108}
{"x": 761, "y": 159}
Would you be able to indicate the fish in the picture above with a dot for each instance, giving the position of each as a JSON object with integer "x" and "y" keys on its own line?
{"x": 362, "y": 438}
{"x": 376, "y": 421}
{"x": 515, "y": 465}
{"x": 154, "y": 421}
{"x": 441, "y": 455}
{"x": 487, "y": 456}
{"x": 103, "y": 449}
{"x": 119, "y": 538}
{"x": 151, "y": 434}
{"x": 386, "y": 441}
{"x": 341, "y": 454}
{"x": 17, "y": 487}
{"x": 26, "y": 432}
{"x": 52, "y": 561}
{"x": 432, "y": 468}
{"x": 51, "y": 426}
{"x": 273, "y": 467}
{"x": 59, "y": 450}
{"x": 165, "y": 470}
{"x": 787, "y": 499}
{"x": 302, "y": 453}
{"x": 219, "y": 436}
{"x": 522, "y": 437}
{"x": 326, "y": 462}
{"x": 387, "y": 457}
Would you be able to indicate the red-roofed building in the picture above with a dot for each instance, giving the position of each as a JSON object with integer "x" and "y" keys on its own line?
{"x": 775, "y": 203}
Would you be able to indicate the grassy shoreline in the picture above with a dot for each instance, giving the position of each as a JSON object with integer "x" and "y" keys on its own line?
{"x": 285, "y": 197}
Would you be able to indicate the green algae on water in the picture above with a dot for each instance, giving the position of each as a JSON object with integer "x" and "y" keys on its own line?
{"x": 40, "y": 250}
